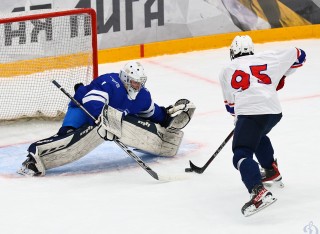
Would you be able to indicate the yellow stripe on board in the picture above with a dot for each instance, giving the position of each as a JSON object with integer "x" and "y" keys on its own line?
{"x": 27, "y": 67}
{"x": 206, "y": 42}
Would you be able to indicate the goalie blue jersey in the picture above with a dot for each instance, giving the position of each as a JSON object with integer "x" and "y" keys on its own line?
{"x": 108, "y": 88}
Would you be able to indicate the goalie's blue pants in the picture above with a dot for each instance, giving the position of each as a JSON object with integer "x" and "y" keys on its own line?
{"x": 75, "y": 117}
{"x": 250, "y": 137}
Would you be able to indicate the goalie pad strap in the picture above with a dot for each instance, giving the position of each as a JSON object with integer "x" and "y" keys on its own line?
{"x": 111, "y": 120}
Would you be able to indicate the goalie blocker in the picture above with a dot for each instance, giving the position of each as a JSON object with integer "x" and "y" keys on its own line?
{"x": 134, "y": 132}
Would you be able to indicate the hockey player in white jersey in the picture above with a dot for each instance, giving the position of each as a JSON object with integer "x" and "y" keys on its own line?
{"x": 250, "y": 84}
{"x": 125, "y": 109}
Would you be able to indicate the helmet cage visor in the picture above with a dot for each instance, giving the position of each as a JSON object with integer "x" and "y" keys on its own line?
{"x": 133, "y": 84}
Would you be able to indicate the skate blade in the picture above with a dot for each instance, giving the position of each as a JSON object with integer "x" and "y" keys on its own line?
{"x": 268, "y": 201}
{"x": 26, "y": 172}
{"x": 278, "y": 184}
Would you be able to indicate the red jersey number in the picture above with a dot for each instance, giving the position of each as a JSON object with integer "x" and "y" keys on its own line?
{"x": 241, "y": 79}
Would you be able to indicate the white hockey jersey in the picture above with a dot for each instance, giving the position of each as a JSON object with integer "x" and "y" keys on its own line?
{"x": 249, "y": 82}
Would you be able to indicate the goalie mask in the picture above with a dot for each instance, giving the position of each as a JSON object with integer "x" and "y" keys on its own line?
{"x": 133, "y": 77}
{"x": 241, "y": 46}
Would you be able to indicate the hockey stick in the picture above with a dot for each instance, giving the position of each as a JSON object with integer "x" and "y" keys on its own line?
{"x": 200, "y": 170}
{"x": 116, "y": 140}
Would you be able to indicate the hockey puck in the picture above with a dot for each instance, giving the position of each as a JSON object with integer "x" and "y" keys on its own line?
{"x": 188, "y": 170}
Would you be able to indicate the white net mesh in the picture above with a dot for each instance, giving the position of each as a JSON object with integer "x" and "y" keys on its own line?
{"x": 36, "y": 48}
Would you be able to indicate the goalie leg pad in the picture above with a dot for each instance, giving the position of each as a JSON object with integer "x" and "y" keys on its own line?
{"x": 150, "y": 137}
{"x": 171, "y": 142}
{"x": 40, "y": 166}
{"x": 60, "y": 150}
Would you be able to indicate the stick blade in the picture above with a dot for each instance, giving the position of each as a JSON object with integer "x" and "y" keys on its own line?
{"x": 194, "y": 168}
{"x": 153, "y": 174}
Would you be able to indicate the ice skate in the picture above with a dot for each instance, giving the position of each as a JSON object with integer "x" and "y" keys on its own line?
{"x": 272, "y": 176}
{"x": 29, "y": 168}
{"x": 260, "y": 198}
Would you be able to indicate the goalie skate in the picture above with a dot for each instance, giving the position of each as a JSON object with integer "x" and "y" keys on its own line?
{"x": 29, "y": 168}
{"x": 260, "y": 199}
{"x": 26, "y": 171}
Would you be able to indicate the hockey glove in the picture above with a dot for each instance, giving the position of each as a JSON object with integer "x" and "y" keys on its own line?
{"x": 182, "y": 105}
{"x": 179, "y": 115}
{"x": 168, "y": 118}
{"x": 77, "y": 86}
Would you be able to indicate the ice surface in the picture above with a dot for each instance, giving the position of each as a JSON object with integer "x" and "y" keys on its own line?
{"x": 107, "y": 192}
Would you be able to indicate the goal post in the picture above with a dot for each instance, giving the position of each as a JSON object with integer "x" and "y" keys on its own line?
{"x": 41, "y": 45}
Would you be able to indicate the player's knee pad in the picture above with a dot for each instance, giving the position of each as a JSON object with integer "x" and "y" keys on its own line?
{"x": 150, "y": 137}
{"x": 239, "y": 154}
{"x": 59, "y": 150}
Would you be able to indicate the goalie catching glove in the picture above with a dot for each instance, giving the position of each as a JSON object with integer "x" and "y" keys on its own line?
{"x": 109, "y": 123}
{"x": 180, "y": 114}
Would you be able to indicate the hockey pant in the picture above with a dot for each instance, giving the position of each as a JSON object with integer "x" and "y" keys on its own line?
{"x": 250, "y": 137}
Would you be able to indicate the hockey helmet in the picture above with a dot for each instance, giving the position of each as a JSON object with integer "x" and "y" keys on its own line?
{"x": 133, "y": 77}
{"x": 241, "y": 46}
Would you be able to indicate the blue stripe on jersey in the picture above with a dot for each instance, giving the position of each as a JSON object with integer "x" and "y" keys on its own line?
{"x": 96, "y": 95}
{"x": 230, "y": 109}
{"x": 149, "y": 112}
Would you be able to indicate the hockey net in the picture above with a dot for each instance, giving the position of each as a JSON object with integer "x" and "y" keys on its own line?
{"x": 39, "y": 46}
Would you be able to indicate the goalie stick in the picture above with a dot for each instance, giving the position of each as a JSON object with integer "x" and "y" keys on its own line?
{"x": 200, "y": 170}
{"x": 116, "y": 140}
